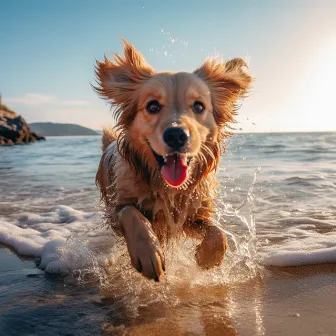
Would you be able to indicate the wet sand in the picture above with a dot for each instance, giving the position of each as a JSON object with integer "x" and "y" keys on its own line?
{"x": 283, "y": 301}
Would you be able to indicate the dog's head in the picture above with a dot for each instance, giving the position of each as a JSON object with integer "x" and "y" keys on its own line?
{"x": 172, "y": 122}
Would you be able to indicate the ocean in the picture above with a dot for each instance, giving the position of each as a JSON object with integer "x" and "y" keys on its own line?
{"x": 63, "y": 272}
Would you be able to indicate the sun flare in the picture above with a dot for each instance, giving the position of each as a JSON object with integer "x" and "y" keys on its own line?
{"x": 317, "y": 104}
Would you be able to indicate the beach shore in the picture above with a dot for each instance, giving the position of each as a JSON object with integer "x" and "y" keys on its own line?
{"x": 282, "y": 301}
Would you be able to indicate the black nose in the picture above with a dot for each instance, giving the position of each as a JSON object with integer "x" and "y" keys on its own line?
{"x": 175, "y": 137}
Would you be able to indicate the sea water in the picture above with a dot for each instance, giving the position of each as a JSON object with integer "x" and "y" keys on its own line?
{"x": 276, "y": 204}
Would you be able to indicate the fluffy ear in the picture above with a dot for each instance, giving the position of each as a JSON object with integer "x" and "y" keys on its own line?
{"x": 118, "y": 81}
{"x": 228, "y": 82}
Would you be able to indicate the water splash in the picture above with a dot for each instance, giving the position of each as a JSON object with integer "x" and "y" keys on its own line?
{"x": 106, "y": 260}
{"x": 239, "y": 225}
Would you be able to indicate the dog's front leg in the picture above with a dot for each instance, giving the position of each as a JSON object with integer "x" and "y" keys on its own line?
{"x": 210, "y": 253}
{"x": 142, "y": 243}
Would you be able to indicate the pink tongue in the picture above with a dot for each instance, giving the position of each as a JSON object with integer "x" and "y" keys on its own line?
{"x": 175, "y": 170}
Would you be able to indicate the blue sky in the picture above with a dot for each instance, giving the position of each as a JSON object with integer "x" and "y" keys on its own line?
{"x": 48, "y": 50}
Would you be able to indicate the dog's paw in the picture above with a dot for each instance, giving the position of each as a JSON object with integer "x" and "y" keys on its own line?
{"x": 210, "y": 253}
{"x": 147, "y": 258}
{"x": 145, "y": 252}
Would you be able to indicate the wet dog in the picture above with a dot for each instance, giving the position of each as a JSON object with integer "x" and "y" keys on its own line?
{"x": 157, "y": 172}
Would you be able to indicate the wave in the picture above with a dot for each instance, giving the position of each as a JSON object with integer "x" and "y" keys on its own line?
{"x": 72, "y": 242}
{"x": 310, "y": 249}
{"x": 43, "y": 235}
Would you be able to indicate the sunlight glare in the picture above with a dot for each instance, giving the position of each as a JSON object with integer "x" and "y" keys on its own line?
{"x": 317, "y": 104}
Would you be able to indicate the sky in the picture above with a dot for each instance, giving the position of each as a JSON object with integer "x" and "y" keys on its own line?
{"x": 48, "y": 51}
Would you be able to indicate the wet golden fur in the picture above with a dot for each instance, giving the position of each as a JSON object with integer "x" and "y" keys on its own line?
{"x": 128, "y": 173}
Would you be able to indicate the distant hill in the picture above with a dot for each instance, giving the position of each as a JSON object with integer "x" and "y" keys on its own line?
{"x": 56, "y": 129}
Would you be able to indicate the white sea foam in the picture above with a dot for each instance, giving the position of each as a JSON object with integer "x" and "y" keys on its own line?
{"x": 61, "y": 238}
{"x": 65, "y": 239}
{"x": 27, "y": 242}
{"x": 303, "y": 247}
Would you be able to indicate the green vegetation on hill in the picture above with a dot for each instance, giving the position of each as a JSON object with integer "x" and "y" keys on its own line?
{"x": 57, "y": 129}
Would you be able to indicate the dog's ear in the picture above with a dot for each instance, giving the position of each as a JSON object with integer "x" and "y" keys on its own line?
{"x": 118, "y": 80}
{"x": 228, "y": 83}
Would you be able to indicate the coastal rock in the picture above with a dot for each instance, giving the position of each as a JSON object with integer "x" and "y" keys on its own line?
{"x": 14, "y": 129}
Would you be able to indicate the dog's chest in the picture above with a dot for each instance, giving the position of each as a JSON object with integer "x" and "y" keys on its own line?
{"x": 170, "y": 209}
{"x": 166, "y": 208}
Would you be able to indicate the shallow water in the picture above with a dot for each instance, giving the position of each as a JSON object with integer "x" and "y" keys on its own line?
{"x": 295, "y": 301}
{"x": 277, "y": 205}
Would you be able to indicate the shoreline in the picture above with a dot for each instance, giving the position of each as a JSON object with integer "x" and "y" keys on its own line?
{"x": 285, "y": 301}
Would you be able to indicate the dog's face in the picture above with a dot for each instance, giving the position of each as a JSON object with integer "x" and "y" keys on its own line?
{"x": 173, "y": 121}
{"x": 174, "y": 117}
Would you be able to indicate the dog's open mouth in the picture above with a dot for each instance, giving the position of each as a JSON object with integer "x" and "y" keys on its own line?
{"x": 174, "y": 167}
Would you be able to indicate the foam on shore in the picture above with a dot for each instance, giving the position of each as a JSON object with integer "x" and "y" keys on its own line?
{"x": 48, "y": 236}
{"x": 65, "y": 239}
{"x": 304, "y": 247}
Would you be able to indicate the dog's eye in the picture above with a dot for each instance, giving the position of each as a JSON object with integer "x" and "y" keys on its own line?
{"x": 198, "y": 107}
{"x": 153, "y": 107}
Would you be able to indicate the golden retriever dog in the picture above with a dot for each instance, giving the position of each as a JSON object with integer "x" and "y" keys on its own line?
{"x": 157, "y": 172}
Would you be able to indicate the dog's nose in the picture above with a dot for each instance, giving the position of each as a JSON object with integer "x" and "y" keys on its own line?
{"x": 175, "y": 137}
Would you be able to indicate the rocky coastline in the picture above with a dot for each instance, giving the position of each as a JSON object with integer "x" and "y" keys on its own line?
{"x": 14, "y": 129}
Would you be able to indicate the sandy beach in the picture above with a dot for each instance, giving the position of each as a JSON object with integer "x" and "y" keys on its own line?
{"x": 282, "y": 301}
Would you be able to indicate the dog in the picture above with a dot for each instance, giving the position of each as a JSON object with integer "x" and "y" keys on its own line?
{"x": 157, "y": 172}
